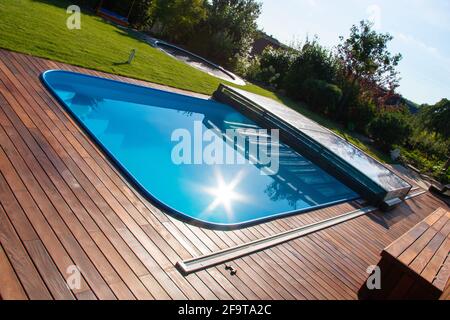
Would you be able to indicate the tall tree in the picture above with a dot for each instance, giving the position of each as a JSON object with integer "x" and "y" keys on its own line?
{"x": 238, "y": 17}
{"x": 177, "y": 18}
{"x": 229, "y": 28}
{"x": 367, "y": 62}
{"x": 139, "y": 15}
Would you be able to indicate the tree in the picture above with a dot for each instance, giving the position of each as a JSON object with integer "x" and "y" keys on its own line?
{"x": 177, "y": 18}
{"x": 238, "y": 17}
{"x": 437, "y": 118}
{"x": 140, "y": 13}
{"x": 228, "y": 31}
{"x": 366, "y": 61}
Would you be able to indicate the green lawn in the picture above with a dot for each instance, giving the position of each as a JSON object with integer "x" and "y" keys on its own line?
{"x": 38, "y": 27}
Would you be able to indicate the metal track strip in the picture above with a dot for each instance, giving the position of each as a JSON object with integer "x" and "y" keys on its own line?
{"x": 222, "y": 256}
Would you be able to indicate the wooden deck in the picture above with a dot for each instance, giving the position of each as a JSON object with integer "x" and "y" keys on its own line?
{"x": 416, "y": 265}
{"x": 63, "y": 203}
{"x": 424, "y": 250}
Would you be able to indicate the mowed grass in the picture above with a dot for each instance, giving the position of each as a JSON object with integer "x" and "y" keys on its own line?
{"x": 38, "y": 27}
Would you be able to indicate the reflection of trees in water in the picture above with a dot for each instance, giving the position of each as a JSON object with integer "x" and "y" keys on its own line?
{"x": 85, "y": 104}
{"x": 84, "y": 100}
{"x": 294, "y": 169}
{"x": 277, "y": 191}
{"x": 299, "y": 179}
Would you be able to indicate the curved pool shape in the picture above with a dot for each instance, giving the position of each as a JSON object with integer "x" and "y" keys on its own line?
{"x": 134, "y": 126}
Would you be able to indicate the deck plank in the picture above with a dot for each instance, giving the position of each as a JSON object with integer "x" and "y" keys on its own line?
{"x": 10, "y": 286}
{"x": 21, "y": 261}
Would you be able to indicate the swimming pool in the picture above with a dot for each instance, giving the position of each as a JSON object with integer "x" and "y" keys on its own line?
{"x": 135, "y": 126}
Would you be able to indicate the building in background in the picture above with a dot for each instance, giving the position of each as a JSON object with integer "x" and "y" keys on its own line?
{"x": 262, "y": 41}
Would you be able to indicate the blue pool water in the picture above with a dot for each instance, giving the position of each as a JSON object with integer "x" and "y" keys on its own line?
{"x": 134, "y": 126}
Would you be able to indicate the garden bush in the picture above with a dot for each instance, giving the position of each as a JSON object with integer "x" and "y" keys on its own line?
{"x": 176, "y": 20}
{"x": 274, "y": 65}
{"x": 389, "y": 129}
{"x": 429, "y": 143}
{"x": 313, "y": 62}
{"x": 360, "y": 113}
{"x": 226, "y": 34}
{"x": 426, "y": 163}
{"x": 248, "y": 67}
{"x": 140, "y": 14}
{"x": 320, "y": 95}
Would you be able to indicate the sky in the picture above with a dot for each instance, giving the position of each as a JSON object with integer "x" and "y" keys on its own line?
{"x": 421, "y": 30}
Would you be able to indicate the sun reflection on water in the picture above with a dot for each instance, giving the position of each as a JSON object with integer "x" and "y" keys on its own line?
{"x": 225, "y": 194}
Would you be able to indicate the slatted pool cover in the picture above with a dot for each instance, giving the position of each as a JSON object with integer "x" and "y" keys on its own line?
{"x": 368, "y": 176}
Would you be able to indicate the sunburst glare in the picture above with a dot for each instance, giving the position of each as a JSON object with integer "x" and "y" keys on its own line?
{"x": 225, "y": 194}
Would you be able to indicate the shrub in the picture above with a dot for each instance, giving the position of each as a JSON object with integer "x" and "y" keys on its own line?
{"x": 389, "y": 129}
{"x": 313, "y": 62}
{"x": 274, "y": 65}
{"x": 322, "y": 96}
{"x": 177, "y": 19}
{"x": 221, "y": 46}
{"x": 248, "y": 67}
{"x": 226, "y": 34}
{"x": 351, "y": 93}
{"x": 360, "y": 114}
{"x": 426, "y": 163}
{"x": 429, "y": 143}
